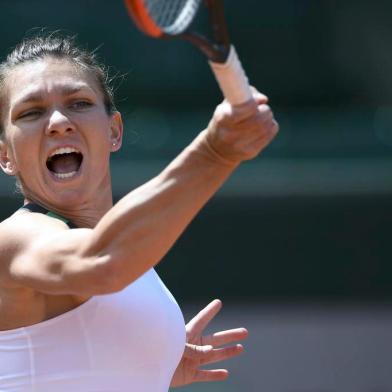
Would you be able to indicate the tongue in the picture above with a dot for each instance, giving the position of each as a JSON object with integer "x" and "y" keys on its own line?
{"x": 65, "y": 163}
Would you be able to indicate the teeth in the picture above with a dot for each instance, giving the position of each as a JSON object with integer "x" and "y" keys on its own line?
{"x": 63, "y": 150}
{"x": 65, "y": 175}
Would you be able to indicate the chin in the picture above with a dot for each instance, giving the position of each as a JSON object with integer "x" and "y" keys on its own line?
{"x": 77, "y": 196}
{"x": 67, "y": 194}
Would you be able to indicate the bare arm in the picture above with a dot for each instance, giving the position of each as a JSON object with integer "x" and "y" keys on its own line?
{"x": 138, "y": 231}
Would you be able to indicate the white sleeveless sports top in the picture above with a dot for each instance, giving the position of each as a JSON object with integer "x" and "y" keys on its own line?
{"x": 130, "y": 341}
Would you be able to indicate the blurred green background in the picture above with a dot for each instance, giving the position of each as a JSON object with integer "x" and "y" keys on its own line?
{"x": 309, "y": 220}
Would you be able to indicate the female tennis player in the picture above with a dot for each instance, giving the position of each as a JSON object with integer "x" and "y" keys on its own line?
{"x": 81, "y": 306}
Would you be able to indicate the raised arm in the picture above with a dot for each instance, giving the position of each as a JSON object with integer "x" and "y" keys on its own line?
{"x": 137, "y": 232}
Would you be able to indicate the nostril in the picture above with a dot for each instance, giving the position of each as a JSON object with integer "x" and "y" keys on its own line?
{"x": 58, "y": 130}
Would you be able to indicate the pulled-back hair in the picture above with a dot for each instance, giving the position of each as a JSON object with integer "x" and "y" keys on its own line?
{"x": 54, "y": 45}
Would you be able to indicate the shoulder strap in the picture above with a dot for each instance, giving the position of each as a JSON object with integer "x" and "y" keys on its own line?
{"x": 37, "y": 208}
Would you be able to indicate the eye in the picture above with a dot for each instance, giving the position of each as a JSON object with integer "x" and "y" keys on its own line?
{"x": 80, "y": 105}
{"x": 30, "y": 114}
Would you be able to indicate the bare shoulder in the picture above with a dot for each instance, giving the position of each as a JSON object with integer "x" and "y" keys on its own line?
{"x": 23, "y": 227}
{"x": 41, "y": 253}
{"x": 18, "y": 232}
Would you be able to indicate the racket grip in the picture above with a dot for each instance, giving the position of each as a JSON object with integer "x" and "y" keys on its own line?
{"x": 232, "y": 79}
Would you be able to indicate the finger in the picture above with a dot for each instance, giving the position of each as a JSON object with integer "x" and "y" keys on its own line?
{"x": 221, "y": 354}
{"x": 242, "y": 111}
{"x": 248, "y": 108}
{"x": 270, "y": 131}
{"x": 262, "y": 113}
{"x": 275, "y": 126}
{"x": 225, "y": 337}
{"x": 193, "y": 351}
{"x": 203, "y": 318}
{"x": 225, "y": 112}
{"x": 258, "y": 144}
{"x": 259, "y": 97}
{"x": 206, "y": 354}
{"x": 211, "y": 375}
{"x": 264, "y": 109}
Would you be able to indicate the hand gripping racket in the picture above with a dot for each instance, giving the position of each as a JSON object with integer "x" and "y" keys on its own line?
{"x": 173, "y": 19}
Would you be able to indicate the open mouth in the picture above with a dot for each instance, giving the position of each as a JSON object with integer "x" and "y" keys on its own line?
{"x": 64, "y": 162}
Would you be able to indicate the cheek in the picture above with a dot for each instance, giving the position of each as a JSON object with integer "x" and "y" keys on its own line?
{"x": 99, "y": 128}
{"x": 97, "y": 137}
{"x": 24, "y": 148}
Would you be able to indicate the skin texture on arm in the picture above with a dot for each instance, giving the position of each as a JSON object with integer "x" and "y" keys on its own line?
{"x": 37, "y": 251}
{"x": 138, "y": 231}
{"x": 131, "y": 238}
{"x": 161, "y": 209}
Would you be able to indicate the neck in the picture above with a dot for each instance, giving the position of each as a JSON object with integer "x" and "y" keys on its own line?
{"x": 86, "y": 213}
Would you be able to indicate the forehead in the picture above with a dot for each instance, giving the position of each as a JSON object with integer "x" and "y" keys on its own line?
{"x": 47, "y": 76}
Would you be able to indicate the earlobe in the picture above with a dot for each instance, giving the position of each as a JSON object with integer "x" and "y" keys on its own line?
{"x": 116, "y": 132}
{"x": 10, "y": 169}
{"x": 5, "y": 162}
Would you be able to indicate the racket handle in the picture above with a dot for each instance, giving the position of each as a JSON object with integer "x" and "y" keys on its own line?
{"x": 232, "y": 79}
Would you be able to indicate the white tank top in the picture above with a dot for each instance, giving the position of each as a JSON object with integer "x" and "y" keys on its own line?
{"x": 130, "y": 341}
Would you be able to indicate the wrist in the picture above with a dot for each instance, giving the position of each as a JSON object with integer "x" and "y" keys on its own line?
{"x": 206, "y": 148}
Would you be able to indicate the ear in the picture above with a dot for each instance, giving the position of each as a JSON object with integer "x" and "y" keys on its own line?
{"x": 116, "y": 132}
{"x": 6, "y": 161}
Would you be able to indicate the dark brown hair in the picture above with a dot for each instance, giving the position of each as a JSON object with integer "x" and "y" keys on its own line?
{"x": 58, "y": 46}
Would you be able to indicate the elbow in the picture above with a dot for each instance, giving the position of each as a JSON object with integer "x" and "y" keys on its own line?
{"x": 109, "y": 277}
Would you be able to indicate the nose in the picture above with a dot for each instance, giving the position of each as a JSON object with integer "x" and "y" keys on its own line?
{"x": 59, "y": 124}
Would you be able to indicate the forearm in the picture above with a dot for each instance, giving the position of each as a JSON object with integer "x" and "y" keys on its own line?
{"x": 139, "y": 230}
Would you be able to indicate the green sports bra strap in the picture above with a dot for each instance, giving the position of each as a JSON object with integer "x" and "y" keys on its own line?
{"x": 32, "y": 207}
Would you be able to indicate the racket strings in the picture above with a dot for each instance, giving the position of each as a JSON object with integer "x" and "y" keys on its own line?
{"x": 172, "y": 16}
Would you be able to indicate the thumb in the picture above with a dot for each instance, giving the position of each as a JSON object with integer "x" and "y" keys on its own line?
{"x": 248, "y": 108}
{"x": 259, "y": 97}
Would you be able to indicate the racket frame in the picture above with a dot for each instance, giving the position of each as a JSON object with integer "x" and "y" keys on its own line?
{"x": 222, "y": 56}
{"x": 216, "y": 50}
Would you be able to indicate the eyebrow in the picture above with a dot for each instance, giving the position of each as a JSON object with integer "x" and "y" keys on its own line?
{"x": 35, "y": 97}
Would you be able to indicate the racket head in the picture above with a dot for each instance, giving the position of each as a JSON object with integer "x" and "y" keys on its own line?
{"x": 160, "y": 18}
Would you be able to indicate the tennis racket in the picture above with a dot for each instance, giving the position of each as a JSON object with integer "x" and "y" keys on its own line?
{"x": 174, "y": 19}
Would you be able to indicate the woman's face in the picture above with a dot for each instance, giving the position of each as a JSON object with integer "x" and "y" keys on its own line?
{"x": 58, "y": 135}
